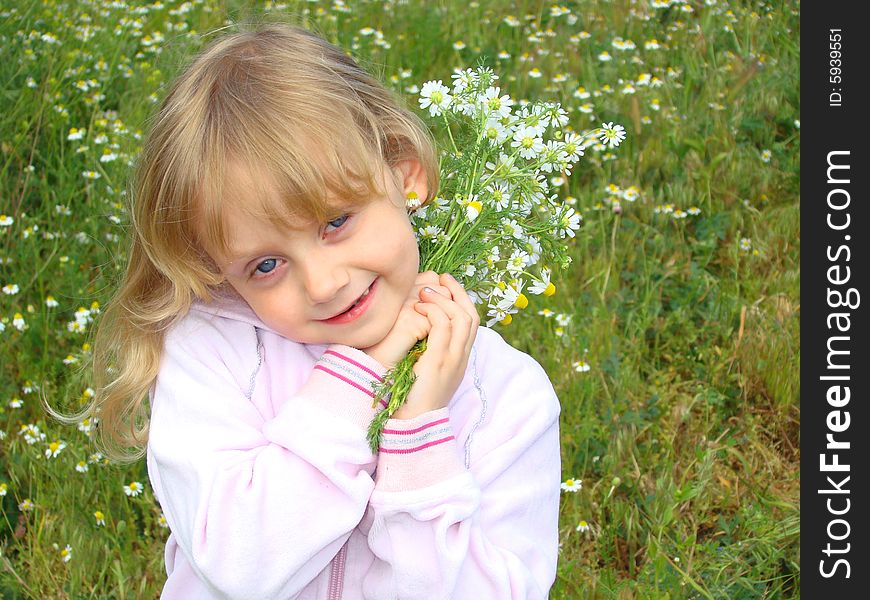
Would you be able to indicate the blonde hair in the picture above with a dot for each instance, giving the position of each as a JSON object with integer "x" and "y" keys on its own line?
{"x": 279, "y": 101}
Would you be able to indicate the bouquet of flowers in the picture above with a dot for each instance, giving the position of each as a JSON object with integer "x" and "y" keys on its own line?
{"x": 496, "y": 225}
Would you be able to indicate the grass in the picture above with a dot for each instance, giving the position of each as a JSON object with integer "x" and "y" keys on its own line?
{"x": 684, "y": 429}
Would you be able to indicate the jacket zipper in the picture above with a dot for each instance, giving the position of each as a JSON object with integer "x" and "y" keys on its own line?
{"x": 336, "y": 577}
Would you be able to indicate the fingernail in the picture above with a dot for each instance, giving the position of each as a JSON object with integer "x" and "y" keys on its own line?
{"x": 429, "y": 290}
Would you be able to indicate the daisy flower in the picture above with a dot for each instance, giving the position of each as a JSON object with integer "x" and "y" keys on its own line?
{"x": 436, "y": 97}
{"x": 572, "y": 485}
{"x": 499, "y": 106}
{"x": 54, "y": 449}
{"x": 581, "y": 366}
{"x": 133, "y": 489}
{"x": 528, "y": 141}
{"x": 612, "y": 134}
{"x": 543, "y": 285}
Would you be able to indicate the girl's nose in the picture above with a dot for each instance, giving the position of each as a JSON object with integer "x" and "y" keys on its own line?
{"x": 324, "y": 279}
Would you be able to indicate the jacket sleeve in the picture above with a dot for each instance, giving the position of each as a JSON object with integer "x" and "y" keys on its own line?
{"x": 259, "y": 499}
{"x": 440, "y": 530}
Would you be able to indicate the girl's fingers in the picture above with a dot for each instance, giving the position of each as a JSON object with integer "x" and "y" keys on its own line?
{"x": 440, "y": 332}
{"x": 460, "y": 324}
{"x": 458, "y": 292}
{"x": 440, "y": 289}
{"x": 461, "y": 297}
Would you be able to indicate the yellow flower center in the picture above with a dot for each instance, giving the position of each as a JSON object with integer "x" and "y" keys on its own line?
{"x": 550, "y": 289}
{"x": 507, "y": 320}
{"x": 521, "y": 301}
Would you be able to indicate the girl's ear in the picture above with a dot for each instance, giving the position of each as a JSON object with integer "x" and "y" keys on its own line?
{"x": 412, "y": 178}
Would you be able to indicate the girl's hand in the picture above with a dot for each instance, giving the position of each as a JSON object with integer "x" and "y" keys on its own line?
{"x": 410, "y": 325}
{"x": 453, "y": 326}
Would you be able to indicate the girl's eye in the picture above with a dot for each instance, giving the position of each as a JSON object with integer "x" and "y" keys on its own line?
{"x": 266, "y": 266}
{"x": 337, "y": 223}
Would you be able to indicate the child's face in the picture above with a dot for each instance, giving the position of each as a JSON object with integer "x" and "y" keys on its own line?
{"x": 300, "y": 282}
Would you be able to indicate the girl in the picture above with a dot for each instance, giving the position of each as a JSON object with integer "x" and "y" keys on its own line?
{"x": 272, "y": 280}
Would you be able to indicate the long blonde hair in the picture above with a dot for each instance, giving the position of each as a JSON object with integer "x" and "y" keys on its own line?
{"x": 280, "y": 101}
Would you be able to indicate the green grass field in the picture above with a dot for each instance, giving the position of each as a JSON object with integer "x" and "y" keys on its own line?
{"x": 673, "y": 339}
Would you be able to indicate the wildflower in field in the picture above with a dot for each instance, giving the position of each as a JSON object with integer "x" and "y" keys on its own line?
{"x": 563, "y": 319}
{"x": 161, "y": 521}
{"x": 100, "y": 518}
{"x": 528, "y": 142}
{"x": 15, "y": 403}
{"x": 96, "y": 457}
{"x": 26, "y": 505}
{"x": 631, "y": 193}
{"x": 66, "y": 553}
{"x": 797, "y": 124}
{"x": 581, "y": 366}
{"x": 745, "y": 244}
{"x": 435, "y": 96}
{"x": 572, "y": 485}
{"x": 765, "y": 155}
{"x": 6, "y": 221}
{"x": 582, "y": 526}
{"x": 458, "y": 45}
{"x": 31, "y": 434}
{"x": 108, "y": 156}
{"x": 3, "y": 489}
{"x": 70, "y": 360}
{"x": 605, "y": 56}
{"x": 50, "y": 302}
{"x": 694, "y": 211}
{"x": 10, "y": 289}
{"x": 568, "y": 223}
{"x": 86, "y": 426}
{"x": 54, "y": 448}
{"x": 82, "y": 466}
{"x": 612, "y": 134}
{"x": 18, "y": 322}
{"x": 76, "y": 134}
{"x": 679, "y": 213}
{"x": 543, "y": 285}
{"x": 91, "y": 175}
{"x": 133, "y": 489}
{"x": 546, "y": 312}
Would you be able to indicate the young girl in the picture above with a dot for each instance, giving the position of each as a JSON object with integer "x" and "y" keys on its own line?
{"x": 272, "y": 280}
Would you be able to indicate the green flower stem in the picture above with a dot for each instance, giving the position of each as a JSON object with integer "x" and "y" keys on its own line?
{"x": 450, "y": 133}
{"x": 394, "y": 389}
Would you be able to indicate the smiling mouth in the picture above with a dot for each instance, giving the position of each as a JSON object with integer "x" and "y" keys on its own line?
{"x": 356, "y": 303}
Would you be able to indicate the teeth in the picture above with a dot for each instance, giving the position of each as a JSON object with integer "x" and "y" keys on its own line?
{"x": 360, "y": 299}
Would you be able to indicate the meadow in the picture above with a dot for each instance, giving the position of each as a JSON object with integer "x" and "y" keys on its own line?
{"x": 672, "y": 339}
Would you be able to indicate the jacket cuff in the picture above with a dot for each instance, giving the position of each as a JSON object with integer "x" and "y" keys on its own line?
{"x": 416, "y": 453}
{"x": 342, "y": 383}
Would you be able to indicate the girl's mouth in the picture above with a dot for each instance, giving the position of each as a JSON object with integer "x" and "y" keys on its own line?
{"x": 356, "y": 309}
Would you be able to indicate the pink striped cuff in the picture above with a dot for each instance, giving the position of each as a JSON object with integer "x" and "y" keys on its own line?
{"x": 406, "y": 441}
{"x": 350, "y": 371}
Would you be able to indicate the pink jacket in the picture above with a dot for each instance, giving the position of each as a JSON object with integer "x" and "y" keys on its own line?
{"x": 258, "y": 457}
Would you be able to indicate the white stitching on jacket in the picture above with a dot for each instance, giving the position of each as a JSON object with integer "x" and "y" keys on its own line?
{"x": 253, "y": 380}
{"x": 482, "y": 395}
